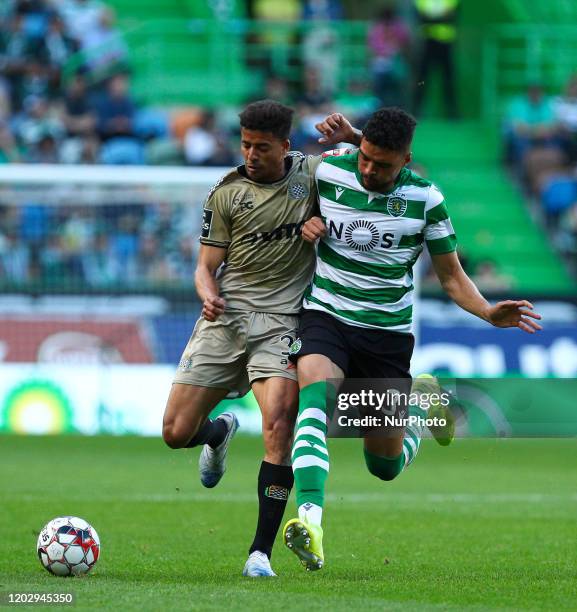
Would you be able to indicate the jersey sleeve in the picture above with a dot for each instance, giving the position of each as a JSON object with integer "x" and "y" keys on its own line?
{"x": 439, "y": 234}
{"x": 216, "y": 219}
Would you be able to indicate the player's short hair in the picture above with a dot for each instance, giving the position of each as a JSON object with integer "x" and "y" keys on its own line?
{"x": 390, "y": 128}
{"x": 268, "y": 116}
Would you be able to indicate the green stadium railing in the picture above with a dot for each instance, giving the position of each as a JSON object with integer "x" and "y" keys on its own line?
{"x": 210, "y": 62}
{"x": 516, "y": 55}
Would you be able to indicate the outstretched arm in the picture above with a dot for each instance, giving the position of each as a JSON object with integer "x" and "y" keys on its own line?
{"x": 209, "y": 260}
{"x": 336, "y": 128}
{"x": 461, "y": 289}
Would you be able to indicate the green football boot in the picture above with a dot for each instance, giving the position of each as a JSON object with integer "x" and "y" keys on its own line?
{"x": 443, "y": 434}
{"x": 306, "y": 541}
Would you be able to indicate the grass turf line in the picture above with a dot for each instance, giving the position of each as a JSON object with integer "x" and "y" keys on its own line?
{"x": 483, "y": 524}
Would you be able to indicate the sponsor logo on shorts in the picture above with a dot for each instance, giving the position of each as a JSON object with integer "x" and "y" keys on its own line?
{"x": 185, "y": 364}
{"x": 295, "y": 347}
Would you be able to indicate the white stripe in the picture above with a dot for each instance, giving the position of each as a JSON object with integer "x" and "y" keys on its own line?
{"x": 312, "y": 413}
{"x": 413, "y": 446}
{"x": 333, "y": 174}
{"x": 407, "y": 461}
{"x": 344, "y": 303}
{"x": 382, "y": 255}
{"x": 349, "y": 279}
{"x": 310, "y": 431}
{"x": 340, "y": 212}
{"x": 434, "y": 198}
{"x": 405, "y": 328}
{"x": 442, "y": 229}
{"x": 310, "y": 461}
{"x": 304, "y": 443}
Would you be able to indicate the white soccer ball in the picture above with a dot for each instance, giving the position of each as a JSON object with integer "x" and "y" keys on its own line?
{"x": 68, "y": 546}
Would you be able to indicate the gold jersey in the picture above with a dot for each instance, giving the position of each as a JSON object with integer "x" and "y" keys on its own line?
{"x": 268, "y": 265}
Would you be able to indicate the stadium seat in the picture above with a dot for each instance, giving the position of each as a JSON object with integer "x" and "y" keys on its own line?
{"x": 122, "y": 152}
{"x": 558, "y": 193}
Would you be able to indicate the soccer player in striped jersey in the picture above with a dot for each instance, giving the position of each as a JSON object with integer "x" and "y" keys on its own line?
{"x": 376, "y": 216}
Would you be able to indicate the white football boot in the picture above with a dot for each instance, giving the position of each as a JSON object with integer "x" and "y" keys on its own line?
{"x": 212, "y": 461}
{"x": 257, "y": 566}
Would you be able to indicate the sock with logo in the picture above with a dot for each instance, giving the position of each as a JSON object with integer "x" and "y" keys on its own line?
{"x": 310, "y": 456}
{"x": 274, "y": 486}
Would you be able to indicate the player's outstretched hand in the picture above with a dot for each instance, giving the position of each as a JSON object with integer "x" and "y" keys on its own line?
{"x": 512, "y": 313}
{"x": 336, "y": 128}
{"x": 212, "y": 307}
{"x": 314, "y": 228}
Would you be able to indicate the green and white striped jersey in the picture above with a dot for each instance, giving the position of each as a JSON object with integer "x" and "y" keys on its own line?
{"x": 364, "y": 267}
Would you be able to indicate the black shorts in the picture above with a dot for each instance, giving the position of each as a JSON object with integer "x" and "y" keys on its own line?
{"x": 359, "y": 352}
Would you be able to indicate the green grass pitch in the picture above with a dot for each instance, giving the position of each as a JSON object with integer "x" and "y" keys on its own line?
{"x": 481, "y": 525}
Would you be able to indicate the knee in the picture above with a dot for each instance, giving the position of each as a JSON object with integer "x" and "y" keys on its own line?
{"x": 383, "y": 467}
{"x": 176, "y": 437}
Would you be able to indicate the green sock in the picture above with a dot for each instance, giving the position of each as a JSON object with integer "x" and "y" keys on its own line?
{"x": 310, "y": 457}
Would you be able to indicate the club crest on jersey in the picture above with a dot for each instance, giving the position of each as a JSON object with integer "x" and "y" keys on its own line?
{"x": 397, "y": 206}
{"x": 295, "y": 347}
{"x": 298, "y": 191}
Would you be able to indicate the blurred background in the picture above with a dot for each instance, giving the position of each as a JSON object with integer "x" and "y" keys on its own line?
{"x": 117, "y": 117}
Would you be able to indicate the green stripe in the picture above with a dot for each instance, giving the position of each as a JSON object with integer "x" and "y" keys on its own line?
{"x": 346, "y": 162}
{"x": 436, "y": 214}
{"x": 309, "y": 438}
{"x": 359, "y": 200}
{"x": 305, "y": 452}
{"x": 411, "y": 240}
{"x": 313, "y": 423}
{"x": 370, "y": 317}
{"x": 340, "y": 262}
{"x": 442, "y": 245}
{"x": 378, "y": 296}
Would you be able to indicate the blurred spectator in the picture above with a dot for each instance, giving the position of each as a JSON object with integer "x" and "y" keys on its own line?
{"x": 104, "y": 47}
{"x": 79, "y": 116}
{"x": 487, "y": 277}
{"x": 530, "y": 122}
{"x": 17, "y": 50}
{"x": 58, "y": 48}
{"x": 389, "y": 40}
{"x": 38, "y": 121}
{"x": 565, "y": 110}
{"x": 35, "y": 81}
{"x": 81, "y": 16}
{"x": 438, "y": 20}
{"x": 115, "y": 109}
{"x": 313, "y": 98}
{"x": 205, "y": 145}
{"x": 320, "y": 46}
{"x": 9, "y": 150}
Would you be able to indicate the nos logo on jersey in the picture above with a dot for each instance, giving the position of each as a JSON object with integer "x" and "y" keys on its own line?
{"x": 397, "y": 206}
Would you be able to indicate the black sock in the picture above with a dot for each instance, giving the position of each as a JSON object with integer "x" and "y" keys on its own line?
{"x": 212, "y": 433}
{"x": 274, "y": 486}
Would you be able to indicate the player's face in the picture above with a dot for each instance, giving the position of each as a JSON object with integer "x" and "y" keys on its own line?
{"x": 379, "y": 168}
{"x": 263, "y": 154}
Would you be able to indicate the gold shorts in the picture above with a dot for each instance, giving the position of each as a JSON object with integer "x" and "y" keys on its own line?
{"x": 237, "y": 349}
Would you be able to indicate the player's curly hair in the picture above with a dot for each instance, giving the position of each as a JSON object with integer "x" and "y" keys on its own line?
{"x": 268, "y": 116}
{"x": 390, "y": 128}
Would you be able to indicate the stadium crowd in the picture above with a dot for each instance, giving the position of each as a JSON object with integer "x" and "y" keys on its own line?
{"x": 540, "y": 135}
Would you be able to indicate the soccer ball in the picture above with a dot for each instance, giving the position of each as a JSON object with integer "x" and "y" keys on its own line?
{"x": 68, "y": 546}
